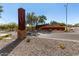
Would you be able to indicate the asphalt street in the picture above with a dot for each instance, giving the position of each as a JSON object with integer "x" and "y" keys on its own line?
{"x": 59, "y": 35}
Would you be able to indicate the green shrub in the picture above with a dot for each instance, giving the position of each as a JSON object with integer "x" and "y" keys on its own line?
{"x": 66, "y": 29}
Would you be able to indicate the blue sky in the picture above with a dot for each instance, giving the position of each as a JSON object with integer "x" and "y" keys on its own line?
{"x": 53, "y": 11}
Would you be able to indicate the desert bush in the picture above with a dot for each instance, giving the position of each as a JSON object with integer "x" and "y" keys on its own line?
{"x": 5, "y": 36}
{"x": 28, "y": 40}
{"x": 10, "y": 26}
{"x": 1, "y": 38}
{"x": 62, "y": 46}
{"x": 67, "y": 29}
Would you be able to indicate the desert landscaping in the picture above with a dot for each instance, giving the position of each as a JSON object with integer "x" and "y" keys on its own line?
{"x": 33, "y": 33}
{"x": 46, "y": 44}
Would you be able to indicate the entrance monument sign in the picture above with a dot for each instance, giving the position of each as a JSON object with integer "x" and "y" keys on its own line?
{"x": 21, "y": 24}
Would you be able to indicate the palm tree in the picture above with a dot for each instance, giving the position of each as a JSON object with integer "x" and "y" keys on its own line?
{"x": 42, "y": 19}
{"x": 1, "y": 10}
{"x": 33, "y": 19}
{"x": 30, "y": 18}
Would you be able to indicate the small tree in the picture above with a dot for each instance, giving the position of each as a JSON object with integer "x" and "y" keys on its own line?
{"x": 76, "y": 25}
{"x": 12, "y": 26}
{"x": 57, "y": 23}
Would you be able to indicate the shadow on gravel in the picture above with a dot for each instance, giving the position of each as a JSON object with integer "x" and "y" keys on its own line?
{"x": 45, "y": 32}
{"x": 8, "y": 48}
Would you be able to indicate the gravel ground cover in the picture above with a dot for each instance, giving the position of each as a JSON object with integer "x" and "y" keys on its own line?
{"x": 45, "y": 47}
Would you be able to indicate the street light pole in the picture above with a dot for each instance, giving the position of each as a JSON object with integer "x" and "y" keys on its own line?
{"x": 66, "y": 6}
{"x": 66, "y": 14}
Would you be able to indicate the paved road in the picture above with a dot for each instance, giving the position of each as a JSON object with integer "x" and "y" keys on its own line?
{"x": 65, "y": 35}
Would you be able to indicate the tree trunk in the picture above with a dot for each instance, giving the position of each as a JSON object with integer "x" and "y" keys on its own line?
{"x": 36, "y": 25}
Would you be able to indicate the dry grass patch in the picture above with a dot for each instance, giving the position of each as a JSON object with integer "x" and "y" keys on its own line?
{"x": 5, "y": 36}
{"x": 62, "y": 46}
